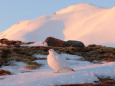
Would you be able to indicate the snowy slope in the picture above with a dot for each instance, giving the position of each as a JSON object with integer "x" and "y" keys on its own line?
{"x": 83, "y": 22}
{"x": 85, "y": 72}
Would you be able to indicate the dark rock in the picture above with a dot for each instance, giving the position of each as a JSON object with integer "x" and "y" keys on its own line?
{"x": 73, "y": 43}
{"x": 4, "y": 41}
{"x": 17, "y": 46}
{"x": 10, "y": 42}
{"x": 51, "y": 41}
{"x": 4, "y": 72}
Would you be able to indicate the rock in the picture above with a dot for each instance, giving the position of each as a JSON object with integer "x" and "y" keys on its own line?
{"x": 5, "y": 41}
{"x": 73, "y": 43}
{"x": 51, "y": 41}
{"x": 4, "y": 72}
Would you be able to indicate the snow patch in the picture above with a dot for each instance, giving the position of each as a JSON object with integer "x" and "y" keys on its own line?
{"x": 85, "y": 72}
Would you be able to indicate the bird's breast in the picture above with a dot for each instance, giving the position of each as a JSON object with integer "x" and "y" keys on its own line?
{"x": 52, "y": 62}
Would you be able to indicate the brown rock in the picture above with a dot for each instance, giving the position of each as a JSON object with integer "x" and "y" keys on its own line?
{"x": 51, "y": 41}
{"x": 54, "y": 42}
{"x": 4, "y": 72}
{"x": 10, "y": 42}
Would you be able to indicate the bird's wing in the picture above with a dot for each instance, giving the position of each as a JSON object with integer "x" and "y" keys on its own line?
{"x": 53, "y": 61}
{"x": 62, "y": 62}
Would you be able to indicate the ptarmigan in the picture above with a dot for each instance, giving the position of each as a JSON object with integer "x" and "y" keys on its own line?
{"x": 56, "y": 62}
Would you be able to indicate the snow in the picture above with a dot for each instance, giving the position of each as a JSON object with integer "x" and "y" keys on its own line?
{"x": 66, "y": 56}
{"x": 40, "y": 56}
{"x": 16, "y": 67}
{"x": 85, "y": 72}
{"x": 82, "y": 22}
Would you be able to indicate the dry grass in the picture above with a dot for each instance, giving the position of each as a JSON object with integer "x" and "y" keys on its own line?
{"x": 30, "y": 67}
{"x": 25, "y": 54}
{"x": 18, "y": 54}
{"x": 90, "y": 53}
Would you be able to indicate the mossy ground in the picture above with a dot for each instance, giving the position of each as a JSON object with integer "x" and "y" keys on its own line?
{"x": 25, "y": 54}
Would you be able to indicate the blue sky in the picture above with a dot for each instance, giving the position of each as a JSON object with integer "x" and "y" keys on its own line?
{"x": 13, "y": 11}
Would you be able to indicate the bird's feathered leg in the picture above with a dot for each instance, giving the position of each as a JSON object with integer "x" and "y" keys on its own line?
{"x": 72, "y": 70}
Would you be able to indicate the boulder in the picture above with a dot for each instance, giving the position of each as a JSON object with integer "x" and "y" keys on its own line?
{"x": 73, "y": 43}
{"x": 5, "y": 41}
{"x": 4, "y": 72}
{"x": 51, "y": 41}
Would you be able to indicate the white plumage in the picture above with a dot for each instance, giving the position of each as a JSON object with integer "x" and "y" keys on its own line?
{"x": 56, "y": 62}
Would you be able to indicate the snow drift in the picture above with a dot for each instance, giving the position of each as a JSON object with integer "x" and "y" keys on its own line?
{"x": 83, "y": 22}
{"x": 85, "y": 72}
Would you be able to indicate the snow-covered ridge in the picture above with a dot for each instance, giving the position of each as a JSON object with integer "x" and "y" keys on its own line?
{"x": 79, "y": 7}
{"x": 83, "y": 22}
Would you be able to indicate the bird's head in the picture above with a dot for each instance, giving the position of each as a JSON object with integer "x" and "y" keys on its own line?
{"x": 51, "y": 51}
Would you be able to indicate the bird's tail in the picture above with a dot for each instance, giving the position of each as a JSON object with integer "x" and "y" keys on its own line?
{"x": 72, "y": 70}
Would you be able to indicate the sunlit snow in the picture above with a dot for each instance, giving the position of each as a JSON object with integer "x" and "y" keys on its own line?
{"x": 85, "y": 72}
{"x": 83, "y": 22}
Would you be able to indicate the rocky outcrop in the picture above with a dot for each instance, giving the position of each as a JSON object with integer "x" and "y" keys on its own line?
{"x": 73, "y": 43}
{"x": 4, "y": 72}
{"x": 9, "y": 42}
{"x": 51, "y": 41}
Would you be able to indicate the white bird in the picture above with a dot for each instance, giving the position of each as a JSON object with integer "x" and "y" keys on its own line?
{"x": 57, "y": 63}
